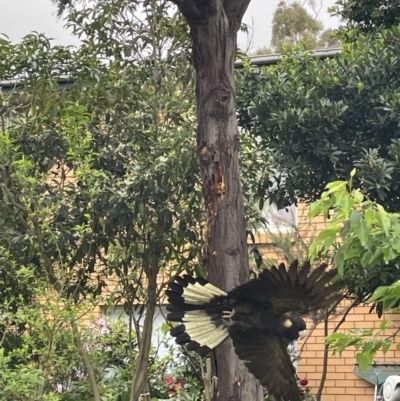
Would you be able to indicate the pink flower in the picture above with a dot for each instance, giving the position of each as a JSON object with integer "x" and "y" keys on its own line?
{"x": 58, "y": 388}
{"x": 104, "y": 330}
{"x": 177, "y": 386}
{"x": 171, "y": 392}
{"x": 169, "y": 381}
{"x": 304, "y": 382}
{"x": 101, "y": 322}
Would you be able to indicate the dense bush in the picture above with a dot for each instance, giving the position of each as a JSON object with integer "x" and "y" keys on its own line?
{"x": 40, "y": 370}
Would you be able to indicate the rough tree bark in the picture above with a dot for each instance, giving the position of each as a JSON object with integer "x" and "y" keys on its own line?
{"x": 213, "y": 27}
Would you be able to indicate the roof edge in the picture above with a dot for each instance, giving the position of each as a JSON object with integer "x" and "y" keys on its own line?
{"x": 269, "y": 59}
{"x": 272, "y": 59}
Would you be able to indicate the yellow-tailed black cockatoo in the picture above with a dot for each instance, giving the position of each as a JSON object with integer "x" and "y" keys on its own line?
{"x": 262, "y": 317}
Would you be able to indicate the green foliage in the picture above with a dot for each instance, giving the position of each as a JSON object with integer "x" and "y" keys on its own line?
{"x": 46, "y": 366}
{"x": 251, "y": 167}
{"x": 368, "y": 15}
{"x": 44, "y": 347}
{"x": 366, "y": 238}
{"x": 388, "y": 295}
{"x": 363, "y": 241}
{"x": 21, "y": 384}
{"x": 318, "y": 119}
{"x": 366, "y": 342}
{"x": 70, "y": 158}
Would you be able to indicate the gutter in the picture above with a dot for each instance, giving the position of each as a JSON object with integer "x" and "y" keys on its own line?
{"x": 259, "y": 61}
{"x": 272, "y": 59}
{"x": 7, "y": 86}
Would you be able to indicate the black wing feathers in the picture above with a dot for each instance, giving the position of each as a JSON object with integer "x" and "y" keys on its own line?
{"x": 292, "y": 271}
{"x": 315, "y": 275}
{"x": 175, "y": 288}
{"x": 323, "y": 278}
{"x": 291, "y": 290}
{"x": 266, "y": 357}
{"x": 175, "y": 316}
{"x": 303, "y": 274}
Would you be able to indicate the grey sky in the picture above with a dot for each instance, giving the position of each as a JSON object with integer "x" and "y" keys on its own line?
{"x": 19, "y": 17}
{"x": 261, "y": 11}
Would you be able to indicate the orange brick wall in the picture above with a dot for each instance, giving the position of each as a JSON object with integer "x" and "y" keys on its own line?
{"x": 341, "y": 383}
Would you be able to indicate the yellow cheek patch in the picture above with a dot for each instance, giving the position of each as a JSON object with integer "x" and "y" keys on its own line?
{"x": 287, "y": 323}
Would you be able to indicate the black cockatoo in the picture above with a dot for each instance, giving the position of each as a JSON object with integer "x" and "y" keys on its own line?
{"x": 262, "y": 317}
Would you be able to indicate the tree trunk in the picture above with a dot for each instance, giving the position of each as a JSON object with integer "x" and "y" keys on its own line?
{"x": 214, "y": 36}
{"x": 140, "y": 375}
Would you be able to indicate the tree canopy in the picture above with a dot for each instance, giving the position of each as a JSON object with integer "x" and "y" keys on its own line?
{"x": 368, "y": 16}
{"x": 320, "y": 118}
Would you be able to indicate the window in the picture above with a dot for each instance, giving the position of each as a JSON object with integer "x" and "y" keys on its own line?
{"x": 158, "y": 338}
{"x": 279, "y": 220}
{"x": 292, "y": 351}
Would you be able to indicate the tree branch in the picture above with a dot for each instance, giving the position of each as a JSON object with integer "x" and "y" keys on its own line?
{"x": 235, "y": 9}
{"x": 392, "y": 336}
{"x": 325, "y": 361}
{"x": 10, "y": 195}
{"x": 88, "y": 365}
{"x": 326, "y": 346}
{"x": 140, "y": 373}
{"x": 342, "y": 320}
{"x": 194, "y": 10}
